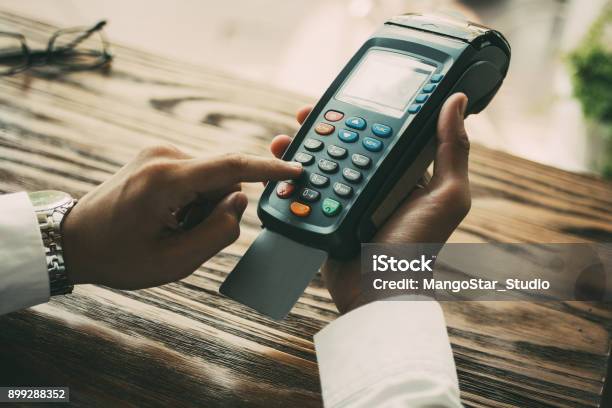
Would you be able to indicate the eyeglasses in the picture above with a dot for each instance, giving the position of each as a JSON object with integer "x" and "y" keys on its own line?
{"x": 72, "y": 49}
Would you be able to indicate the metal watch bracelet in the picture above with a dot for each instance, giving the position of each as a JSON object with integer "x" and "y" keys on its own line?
{"x": 50, "y": 222}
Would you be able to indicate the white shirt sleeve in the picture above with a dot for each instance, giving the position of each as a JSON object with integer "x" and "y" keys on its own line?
{"x": 24, "y": 281}
{"x": 388, "y": 354}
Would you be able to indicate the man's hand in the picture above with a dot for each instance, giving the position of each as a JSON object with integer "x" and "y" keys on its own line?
{"x": 125, "y": 233}
{"x": 429, "y": 215}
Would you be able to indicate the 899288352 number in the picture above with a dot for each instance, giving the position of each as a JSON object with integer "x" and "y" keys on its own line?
{"x": 34, "y": 394}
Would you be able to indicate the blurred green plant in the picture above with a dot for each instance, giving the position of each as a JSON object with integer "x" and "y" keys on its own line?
{"x": 592, "y": 79}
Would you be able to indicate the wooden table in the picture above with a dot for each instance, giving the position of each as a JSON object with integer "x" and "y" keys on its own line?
{"x": 182, "y": 344}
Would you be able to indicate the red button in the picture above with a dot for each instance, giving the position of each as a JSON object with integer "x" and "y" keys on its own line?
{"x": 285, "y": 189}
{"x": 333, "y": 116}
{"x": 324, "y": 129}
{"x": 299, "y": 209}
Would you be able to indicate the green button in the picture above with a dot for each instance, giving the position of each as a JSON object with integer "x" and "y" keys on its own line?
{"x": 331, "y": 207}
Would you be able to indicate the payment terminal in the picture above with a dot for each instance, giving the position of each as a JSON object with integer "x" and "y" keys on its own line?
{"x": 364, "y": 147}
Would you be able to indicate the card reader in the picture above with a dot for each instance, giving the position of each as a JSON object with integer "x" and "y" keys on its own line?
{"x": 364, "y": 147}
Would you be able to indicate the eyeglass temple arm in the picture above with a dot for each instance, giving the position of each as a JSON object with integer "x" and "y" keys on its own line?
{"x": 85, "y": 35}
{"x": 11, "y": 56}
{"x": 99, "y": 25}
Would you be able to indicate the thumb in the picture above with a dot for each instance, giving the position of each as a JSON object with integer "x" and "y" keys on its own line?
{"x": 451, "y": 162}
{"x": 218, "y": 230}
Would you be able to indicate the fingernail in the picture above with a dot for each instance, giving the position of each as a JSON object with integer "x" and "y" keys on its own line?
{"x": 295, "y": 164}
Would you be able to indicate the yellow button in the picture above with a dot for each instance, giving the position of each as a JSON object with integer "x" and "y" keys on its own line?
{"x": 299, "y": 209}
{"x": 324, "y": 129}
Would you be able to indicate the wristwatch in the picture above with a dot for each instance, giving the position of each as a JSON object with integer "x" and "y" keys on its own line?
{"x": 51, "y": 207}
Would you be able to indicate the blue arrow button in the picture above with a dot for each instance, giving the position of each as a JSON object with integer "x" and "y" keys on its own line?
{"x": 356, "y": 123}
{"x": 372, "y": 145}
{"x": 347, "y": 136}
{"x": 381, "y": 130}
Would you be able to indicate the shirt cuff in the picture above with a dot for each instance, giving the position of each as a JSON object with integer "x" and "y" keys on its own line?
{"x": 24, "y": 280}
{"x": 388, "y": 352}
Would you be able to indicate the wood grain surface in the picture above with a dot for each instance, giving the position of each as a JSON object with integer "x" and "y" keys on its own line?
{"x": 183, "y": 344}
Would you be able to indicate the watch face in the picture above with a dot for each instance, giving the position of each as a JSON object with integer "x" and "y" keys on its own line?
{"x": 48, "y": 199}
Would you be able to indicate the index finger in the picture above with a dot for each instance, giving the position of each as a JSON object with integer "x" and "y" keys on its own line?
{"x": 212, "y": 174}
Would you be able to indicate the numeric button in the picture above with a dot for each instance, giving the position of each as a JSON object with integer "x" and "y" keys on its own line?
{"x": 313, "y": 145}
{"x": 328, "y": 166}
{"x": 309, "y": 194}
{"x": 303, "y": 158}
{"x": 343, "y": 190}
{"x": 318, "y": 180}
{"x": 361, "y": 161}
{"x": 351, "y": 175}
{"x": 336, "y": 152}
